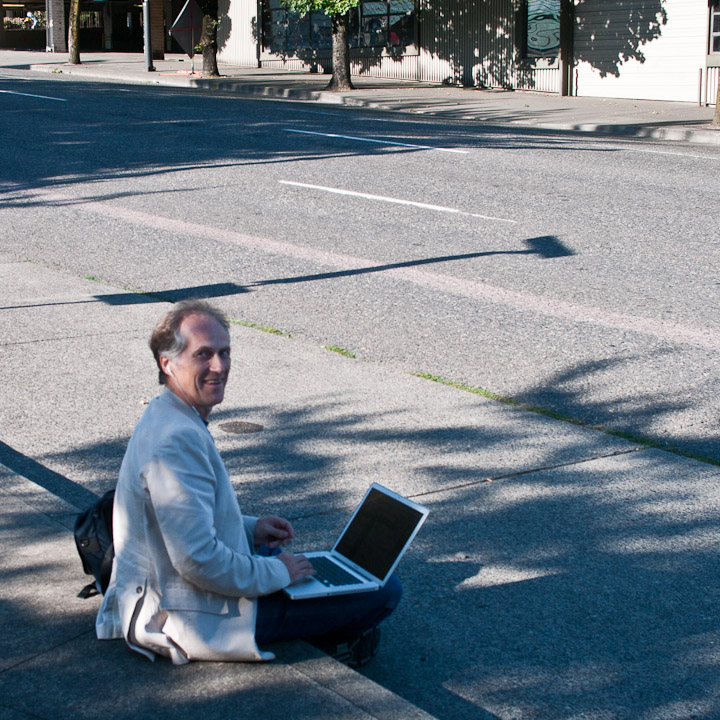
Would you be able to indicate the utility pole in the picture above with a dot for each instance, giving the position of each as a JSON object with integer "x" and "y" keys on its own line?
{"x": 146, "y": 36}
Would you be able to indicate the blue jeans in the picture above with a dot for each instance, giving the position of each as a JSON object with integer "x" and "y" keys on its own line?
{"x": 330, "y": 619}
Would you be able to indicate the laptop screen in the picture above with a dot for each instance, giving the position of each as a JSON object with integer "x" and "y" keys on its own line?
{"x": 378, "y": 532}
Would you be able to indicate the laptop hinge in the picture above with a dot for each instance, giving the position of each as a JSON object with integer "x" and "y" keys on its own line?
{"x": 356, "y": 568}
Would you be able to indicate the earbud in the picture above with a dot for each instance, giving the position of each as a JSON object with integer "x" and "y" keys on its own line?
{"x": 169, "y": 370}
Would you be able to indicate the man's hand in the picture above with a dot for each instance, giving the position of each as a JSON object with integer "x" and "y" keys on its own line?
{"x": 273, "y": 532}
{"x": 298, "y": 566}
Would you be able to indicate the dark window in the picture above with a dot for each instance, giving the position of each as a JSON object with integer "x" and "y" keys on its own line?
{"x": 285, "y": 31}
{"x": 91, "y": 19}
{"x": 376, "y": 24}
{"x": 715, "y": 27}
{"x": 542, "y": 28}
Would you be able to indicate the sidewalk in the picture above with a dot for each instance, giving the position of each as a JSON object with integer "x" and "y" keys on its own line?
{"x": 51, "y": 665}
{"x": 562, "y": 572}
{"x": 673, "y": 121}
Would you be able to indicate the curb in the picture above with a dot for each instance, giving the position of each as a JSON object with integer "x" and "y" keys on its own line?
{"x": 229, "y": 85}
{"x": 695, "y": 137}
{"x": 675, "y": 134}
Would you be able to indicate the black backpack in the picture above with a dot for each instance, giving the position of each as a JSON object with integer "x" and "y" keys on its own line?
{"x": 94, "y": 540}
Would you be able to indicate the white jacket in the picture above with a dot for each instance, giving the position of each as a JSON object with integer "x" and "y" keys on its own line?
{"x": 184, "y": 577}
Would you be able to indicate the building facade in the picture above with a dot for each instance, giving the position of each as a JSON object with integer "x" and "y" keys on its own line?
{"x": 642, "y": 49}
{"x": 110, "y": 25}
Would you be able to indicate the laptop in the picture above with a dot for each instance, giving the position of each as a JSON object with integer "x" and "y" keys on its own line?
{"x": 368, "y": 549}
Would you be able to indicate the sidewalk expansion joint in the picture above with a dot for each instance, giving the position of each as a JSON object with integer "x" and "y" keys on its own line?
{"x": 60, "y": 338}
{"x": 47, "y": 650}
{"x": 529, "y": 471}
{"x": 23, "y": 713}
{"x": 485, "y": 481}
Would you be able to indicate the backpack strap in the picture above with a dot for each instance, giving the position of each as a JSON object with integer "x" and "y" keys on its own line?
{"x": 106, "y": 567}
{"x": 90, "y": 590}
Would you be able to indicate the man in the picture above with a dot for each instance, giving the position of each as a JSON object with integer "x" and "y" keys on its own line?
{"x": 188, "y": 581}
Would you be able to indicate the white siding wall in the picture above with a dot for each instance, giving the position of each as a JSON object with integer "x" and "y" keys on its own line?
{"x": 237, "y": 44}
{"x": 672, "y": 62}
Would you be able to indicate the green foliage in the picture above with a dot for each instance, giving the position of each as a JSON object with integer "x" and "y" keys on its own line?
{"x": 631, "y": 437}
{"x": 264, "y": 328}
{"x": 329, "y": 7}
{"x": 339, "y": 350}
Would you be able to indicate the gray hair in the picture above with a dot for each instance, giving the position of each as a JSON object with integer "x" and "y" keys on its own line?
{"x": 167, "y": 340}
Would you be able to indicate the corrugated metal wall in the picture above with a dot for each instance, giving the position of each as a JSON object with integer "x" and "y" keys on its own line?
{"x": 401, "y": 68}
{"x": 540, "y": 77}
{"x": 710, "y": 86}
{"x": 467, "y": 43}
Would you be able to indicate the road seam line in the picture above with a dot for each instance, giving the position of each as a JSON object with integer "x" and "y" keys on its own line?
{"x": 528, "y": 471}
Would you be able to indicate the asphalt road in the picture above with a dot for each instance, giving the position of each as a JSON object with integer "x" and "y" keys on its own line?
{"x": 572, "y": 273}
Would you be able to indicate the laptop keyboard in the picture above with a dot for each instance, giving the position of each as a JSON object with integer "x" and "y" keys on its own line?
{"x": 330, "y": 573}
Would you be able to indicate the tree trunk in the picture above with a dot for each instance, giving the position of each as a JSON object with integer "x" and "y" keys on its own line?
{"x": 208, "y": 38}
{"x": 716, "y": 116}
{"x": 340, "y": 53}
{"x": 74, "y": 33}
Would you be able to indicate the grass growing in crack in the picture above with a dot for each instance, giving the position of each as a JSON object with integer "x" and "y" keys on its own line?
{"x": 264, "y": 328}
{"x": 338, "y": 350}
{"x": 546, "y": 412}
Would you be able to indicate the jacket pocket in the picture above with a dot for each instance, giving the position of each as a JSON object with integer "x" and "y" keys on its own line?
{"x": 184, "y": 597}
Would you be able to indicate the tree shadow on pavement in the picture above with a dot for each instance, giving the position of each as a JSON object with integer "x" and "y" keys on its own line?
{"x": 584, "y": 588}
{"x": 641, "y": 410}
{"x": 582, "y": 591}
{"x": 146, "y": 138}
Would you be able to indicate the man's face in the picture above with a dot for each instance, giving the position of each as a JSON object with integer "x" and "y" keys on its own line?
{"x": 199, "y": 373}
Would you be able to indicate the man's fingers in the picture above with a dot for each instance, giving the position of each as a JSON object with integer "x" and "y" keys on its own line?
{"x": 286, "y": 528}
{"x": 282, "y": 528}
{"x": 298, "y": 566}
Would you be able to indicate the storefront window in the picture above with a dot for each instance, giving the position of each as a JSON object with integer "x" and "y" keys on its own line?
{"x": 543, "y": 28}
{"x": 25, "y": 17}
{"x": 91, "y": 19}
{"x": 373, "y": 24}
{"x": 285, "y": 31}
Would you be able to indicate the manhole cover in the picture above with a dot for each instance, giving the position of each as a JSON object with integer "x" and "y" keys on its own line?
{"x": 239, "y": 427}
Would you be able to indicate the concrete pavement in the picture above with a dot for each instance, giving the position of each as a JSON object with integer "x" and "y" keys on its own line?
{"x": 562, "y": 573}
{"x": 674, "y": 121}
{"x": 51, "y": 665}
